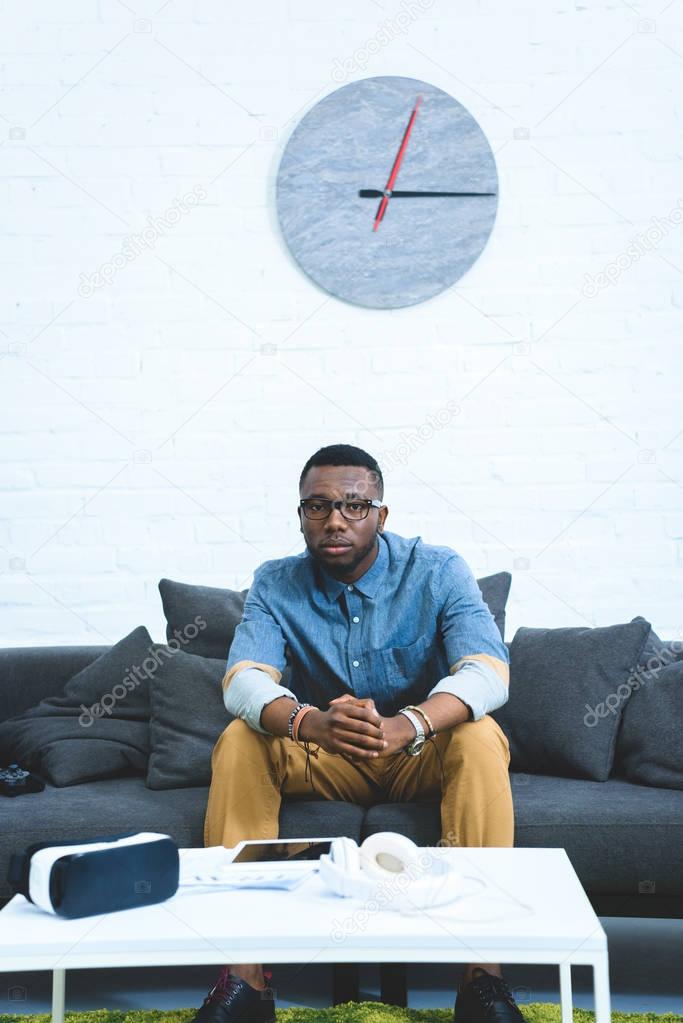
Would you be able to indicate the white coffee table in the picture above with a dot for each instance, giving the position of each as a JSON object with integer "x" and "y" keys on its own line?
{"x": 533, "y": 910}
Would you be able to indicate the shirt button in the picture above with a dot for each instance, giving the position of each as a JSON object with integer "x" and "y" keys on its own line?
{"x": 356, "y": 618}
{"x": 355, "y": 664}
{"x": 349, "y": 587}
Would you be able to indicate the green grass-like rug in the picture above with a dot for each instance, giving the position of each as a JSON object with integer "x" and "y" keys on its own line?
{"x": 349, "y": 1012}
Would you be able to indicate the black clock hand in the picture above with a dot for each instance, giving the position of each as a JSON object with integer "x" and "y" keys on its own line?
{"x": 374, "y": 193}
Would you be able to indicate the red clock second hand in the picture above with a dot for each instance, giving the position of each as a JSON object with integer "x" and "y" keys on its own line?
{"x": 397, "y": 163}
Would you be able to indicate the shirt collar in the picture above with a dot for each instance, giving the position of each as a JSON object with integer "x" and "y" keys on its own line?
{"x": 369, "y": 582}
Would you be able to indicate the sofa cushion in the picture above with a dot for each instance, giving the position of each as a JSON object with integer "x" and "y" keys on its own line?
{"x": 29, "y": 674}
{"x": 126, "y": 804}
{"x": 565, "y": 700}
{"x": 650, "y": 740}
{"x": 97, "y": 727}
{"x": 187, "y": 717}
{"x": 621, "y": 838}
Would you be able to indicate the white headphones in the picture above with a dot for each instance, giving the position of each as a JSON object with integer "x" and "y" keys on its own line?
{"x": 389, "y": 868}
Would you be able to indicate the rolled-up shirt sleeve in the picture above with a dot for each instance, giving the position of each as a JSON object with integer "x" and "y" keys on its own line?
{"x": 479, "y": 673}
{"x": 256, "y": 659}
{"x": 249, "y": 691}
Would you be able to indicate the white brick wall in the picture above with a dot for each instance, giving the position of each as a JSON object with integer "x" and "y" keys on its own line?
{"x": 144, "y": 431}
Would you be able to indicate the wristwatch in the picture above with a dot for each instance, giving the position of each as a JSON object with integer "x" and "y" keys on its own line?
{"x": 415, "y": 747}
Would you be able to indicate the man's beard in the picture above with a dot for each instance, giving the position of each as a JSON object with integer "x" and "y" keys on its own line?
{"x": 349, "y": 566}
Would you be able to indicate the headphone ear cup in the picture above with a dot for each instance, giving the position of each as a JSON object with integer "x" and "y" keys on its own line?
{"x": 387, "y": 854}
{"x": 345, "y": 854}
{"x": 340, "y": 868}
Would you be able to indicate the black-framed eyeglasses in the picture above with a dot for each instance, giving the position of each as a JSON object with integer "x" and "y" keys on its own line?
{"x": 317, "y": 508}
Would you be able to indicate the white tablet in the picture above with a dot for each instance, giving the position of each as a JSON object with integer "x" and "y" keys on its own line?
{"x": 280, "y": 850}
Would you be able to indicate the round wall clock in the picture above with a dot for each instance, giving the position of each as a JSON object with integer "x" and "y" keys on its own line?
{"x": 387, "y": 192}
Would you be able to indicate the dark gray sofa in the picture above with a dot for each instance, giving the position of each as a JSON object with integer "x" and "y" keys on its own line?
{"x": 624, "y": 840}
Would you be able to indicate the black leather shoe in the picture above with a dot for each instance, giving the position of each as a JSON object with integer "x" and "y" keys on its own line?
{"x": 232, "y": 1000}
{"x": 486, "y": 999}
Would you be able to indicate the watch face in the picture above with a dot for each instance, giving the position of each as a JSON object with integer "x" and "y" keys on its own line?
{"x": 416, "y": 745}
{"x": 387, "y": 192}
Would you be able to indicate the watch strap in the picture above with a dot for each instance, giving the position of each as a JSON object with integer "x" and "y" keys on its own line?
{"x": 414, "y": 720}
{"x": 431, "y": 730}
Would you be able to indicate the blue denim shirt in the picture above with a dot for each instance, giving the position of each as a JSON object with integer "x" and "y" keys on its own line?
{"x": 414, "y": 624}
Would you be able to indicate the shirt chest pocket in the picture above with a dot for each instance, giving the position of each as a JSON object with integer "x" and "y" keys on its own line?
{"x": 410, "y": 671}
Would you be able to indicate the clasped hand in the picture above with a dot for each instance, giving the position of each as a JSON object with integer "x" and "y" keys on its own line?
{"x": 354, "y": 728}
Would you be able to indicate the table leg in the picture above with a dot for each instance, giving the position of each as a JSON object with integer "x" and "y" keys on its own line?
{"x": 601, "y": 987}
{"x": 58, "y": 992}
{"x": 345, "y": 982}
{"x": 566, "y": 992}
{"x": 393, "y": 984}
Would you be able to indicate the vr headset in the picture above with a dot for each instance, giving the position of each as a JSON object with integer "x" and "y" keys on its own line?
{"x": 98, "y": 875}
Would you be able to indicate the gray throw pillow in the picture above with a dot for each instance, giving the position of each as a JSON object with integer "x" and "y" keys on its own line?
{"x": 495, "y": 590}
{"x": 658, "y": 652}
{"x": 202, "y": 619}
{"x": 567, "y": 691}
{"x": 650, "y": 740}
{"x": 98, "y": 727}
{"x": 187, "y": 717}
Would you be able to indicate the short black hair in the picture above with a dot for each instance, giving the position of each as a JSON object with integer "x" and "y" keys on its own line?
{"x": 344, "y": 454}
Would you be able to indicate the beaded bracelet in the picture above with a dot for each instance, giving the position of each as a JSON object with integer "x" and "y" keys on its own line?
{"x": 294, "y": 713}
{"x": 305, "y": 743}
{"x": 296, "y": 724}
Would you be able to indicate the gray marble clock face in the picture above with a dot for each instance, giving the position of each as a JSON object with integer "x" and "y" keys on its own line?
{"x": 348, "y": 142}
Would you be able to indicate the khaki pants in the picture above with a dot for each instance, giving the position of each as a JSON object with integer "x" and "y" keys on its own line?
{"x": 466, "y": 767}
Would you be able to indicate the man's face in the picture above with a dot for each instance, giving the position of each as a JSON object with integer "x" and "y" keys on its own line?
{"x": 357, "y": 539}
